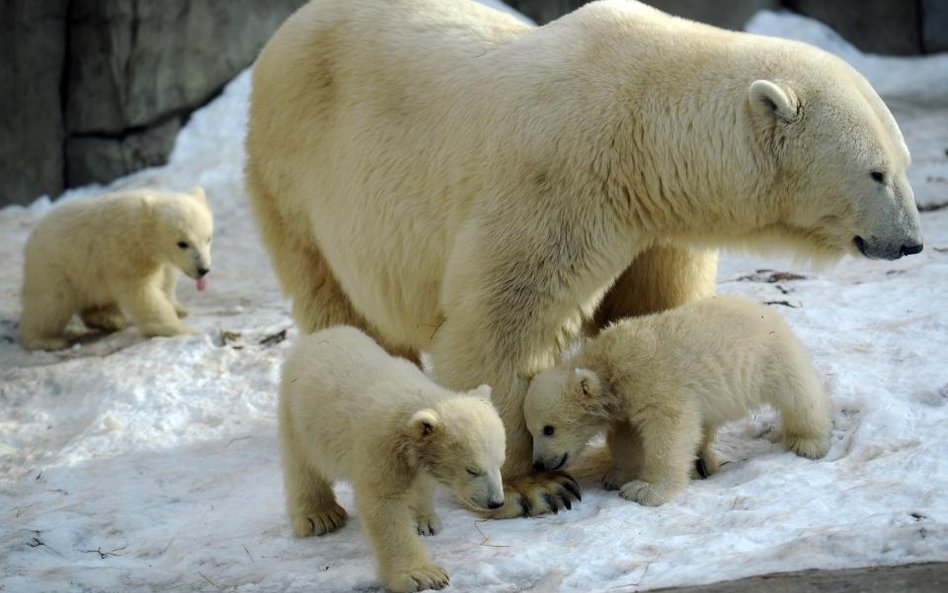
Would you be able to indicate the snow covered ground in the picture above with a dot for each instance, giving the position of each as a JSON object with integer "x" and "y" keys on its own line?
{"x": 152, "y": 465}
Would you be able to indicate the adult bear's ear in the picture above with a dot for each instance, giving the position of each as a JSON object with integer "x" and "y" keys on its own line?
{"x": 424, "y": 424}
{"x": 774, "y": 100}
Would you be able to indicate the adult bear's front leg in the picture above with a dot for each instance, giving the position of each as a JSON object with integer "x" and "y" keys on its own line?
{"x": 461, "y": 357}
{"x": 501, "y": 325}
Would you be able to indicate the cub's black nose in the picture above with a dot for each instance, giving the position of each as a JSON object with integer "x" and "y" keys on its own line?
{"x": 494, "y": 504}
{"x": 202, "y": 272}
{"x": 538, "y": 466}
{"x": 911, "y": 249}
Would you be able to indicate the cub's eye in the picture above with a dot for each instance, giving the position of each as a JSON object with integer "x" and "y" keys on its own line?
{"x": 878, "y": 176}
{"x": 473, "y": 472}
{"x": 182, "y": 244}
{"x": 548, "y": 430}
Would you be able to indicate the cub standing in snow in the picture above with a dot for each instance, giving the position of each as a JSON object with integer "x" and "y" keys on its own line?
{"x": 348, "y": 410}
{"x": 664, "y": 383}
{"x": 112, "y": 255}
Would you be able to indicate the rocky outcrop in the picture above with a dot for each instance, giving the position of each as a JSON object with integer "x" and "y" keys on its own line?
{"x": 904, "y": 27}
{"x": 32, "y": 130}
{"x": 101, "y": 87}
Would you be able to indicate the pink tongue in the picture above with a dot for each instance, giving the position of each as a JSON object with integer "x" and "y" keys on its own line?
{"x": 201, "y": 283}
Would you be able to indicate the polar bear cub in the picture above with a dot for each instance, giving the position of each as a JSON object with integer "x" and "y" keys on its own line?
{"x": 348, "y": 410}
{"x": 664, "y": 383}
{"x": 111, "y": 255}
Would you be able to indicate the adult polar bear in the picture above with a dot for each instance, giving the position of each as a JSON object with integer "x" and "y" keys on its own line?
{"x": 454, "y": 181}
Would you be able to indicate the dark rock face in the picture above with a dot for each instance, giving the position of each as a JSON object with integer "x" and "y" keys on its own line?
{"x": 874, "y": 26}
{"x": 100, "y": 88}
{"x": 896, "y": 27}
{"x": 131, "y": 62}
{"x": 730, "y": 15}
{"x": 32, "y": 49}
{"x": 93, "y": 159}
{"x": 934, "y": 26}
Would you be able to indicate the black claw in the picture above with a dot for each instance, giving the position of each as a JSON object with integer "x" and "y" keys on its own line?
{"x": 573, "y": 488}
{"x": 524, "y": 504}
{"x": 564, "y": 496}
{"x": 701, "y": 468}
{"x": 551, "y": 502}
{"x": 312, "y": 524}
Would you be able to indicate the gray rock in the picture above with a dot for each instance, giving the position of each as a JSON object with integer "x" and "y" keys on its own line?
{"x": 934, "y": 26}
{"x": 32, "y": 50}
{"x": 96, "y": 88}
{"x": 874, "y": 26}
{"x": 134, "y": 62}
{"x": 730, "y": 14}
{"x": 98, "y": 159}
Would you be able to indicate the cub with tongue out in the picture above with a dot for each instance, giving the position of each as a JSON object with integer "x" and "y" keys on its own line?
{"x": 111, "y": 256}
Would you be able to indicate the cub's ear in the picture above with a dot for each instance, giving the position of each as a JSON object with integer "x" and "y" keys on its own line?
{"x": 198, "y": 192}
{"x": 774, "y": 100}
{"x": 481, "y": 391}
{"x": 424, "y": 423}
{"x": 586, "y": 383}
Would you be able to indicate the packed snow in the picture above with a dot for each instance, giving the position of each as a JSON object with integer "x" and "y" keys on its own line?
{"x": 131, "y": 464}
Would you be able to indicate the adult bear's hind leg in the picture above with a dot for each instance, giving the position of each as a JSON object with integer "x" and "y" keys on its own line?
{"x": 319, "y": 301}
{"x": 660, "y": 278}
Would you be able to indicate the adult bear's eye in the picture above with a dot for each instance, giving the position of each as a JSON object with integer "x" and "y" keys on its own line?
{"x": 878, "y": 176}
{"x": 474, "y": 472}
{"x": 182, "y": 244}
{"x": 548, "y": 430}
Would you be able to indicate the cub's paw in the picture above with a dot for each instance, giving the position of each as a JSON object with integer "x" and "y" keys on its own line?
{"x": 812, "y": 447}
{"x": 417, "y": 578}
{"x": 428, "y": 523}
{"x": 180, "y": 310}
{"x": 318, "y": 522}
{"x": 645, "y": 493}
{"x": 615, "y": 478}
{"x": 538, "y": 494}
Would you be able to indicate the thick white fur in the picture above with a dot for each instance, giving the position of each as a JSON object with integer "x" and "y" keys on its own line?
{"x": 110, "y": 256}
{"x": 454, "y": 181}
{"x": 350, "y": 411}
{"x": 664, "y": 383}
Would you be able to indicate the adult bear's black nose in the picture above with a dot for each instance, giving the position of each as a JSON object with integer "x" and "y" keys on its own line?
{"x": 202, "y": 272}
{"x": 493, "y": 504}
{"x": 911, "y": 249}
{"x": 538, "y": 466}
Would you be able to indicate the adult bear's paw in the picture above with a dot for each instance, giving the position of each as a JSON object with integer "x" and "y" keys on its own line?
{"x": 537, "y": 494}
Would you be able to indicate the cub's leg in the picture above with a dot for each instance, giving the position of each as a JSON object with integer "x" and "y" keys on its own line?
{"x": 149, "y": 306}
{"x": 707, "y": 463}
{"x": 659, "y": 278}
{"x": 805, "y": 411}
{"x": 389, "y": 523}
{"x": 670, "y": 433}
{"x": 625, "y": 449}
{"x": 108, "y": 318}
{"x": 422, "y": 504}
{"x": 47, "y": 308}
{"x": 310, "y": 500}
{"x": 169, "y": 284}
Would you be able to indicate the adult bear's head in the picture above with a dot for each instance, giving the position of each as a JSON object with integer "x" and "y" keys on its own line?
{"x": 838, "y": 157}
